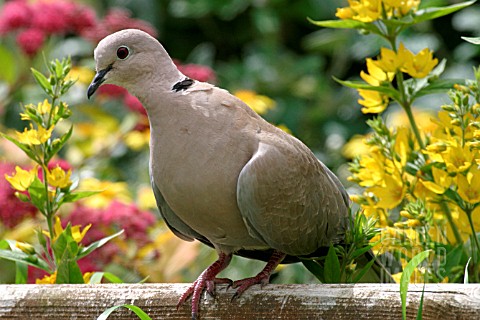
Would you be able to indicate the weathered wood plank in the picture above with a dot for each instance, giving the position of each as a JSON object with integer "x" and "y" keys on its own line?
{"x": 339, "y": 302}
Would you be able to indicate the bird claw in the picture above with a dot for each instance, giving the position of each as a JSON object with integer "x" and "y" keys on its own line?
{"x": 207, "y": 281}
{"x": 244, "y": 284}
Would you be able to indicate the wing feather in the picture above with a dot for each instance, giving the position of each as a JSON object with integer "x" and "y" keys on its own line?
{"x": 289, "y": 199}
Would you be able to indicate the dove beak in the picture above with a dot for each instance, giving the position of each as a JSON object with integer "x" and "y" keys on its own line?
{"x": 97, "y": 81}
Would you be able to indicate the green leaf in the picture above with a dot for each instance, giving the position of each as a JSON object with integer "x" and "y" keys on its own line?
{"x": 465, "y": 277}
{"x": 32, "y": 260}
{"x": 58, "y": 144}
{"x": 332, "y": 267}
{"x": 21, "y": 269}
{"x": 474, "y": 40}
{"x": 75, "y": 196}
{"x": 66, "y": 250}
{"x": 420, "y": 307}
{"x": 37, "y": 194}
{"x": 315, "y": 268}
{"x": 22, "y": 146}
{"x": 341, "y": 24}
{"x": 361, "y": 251}
{"x": 363, "y": 271}
{"x": 139, "y": 312}
{"x": 405, "y": 279}
{"x": 97, "y": 277}
{"x": 438, "y": 86}
{"x": 97, "y": 244}
{"x": 4, "y": 244}
{"x": 8, "y": 71}
{"x": 453, "y": 259}
{"x": 391, "y": 92}
{"x": 42, "y": 81}
{"x": 437, "y": 12}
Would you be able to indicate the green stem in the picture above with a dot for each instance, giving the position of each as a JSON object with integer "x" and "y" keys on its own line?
{"x": 476, "y": 266}
{"x": 407, "y": 106}
{"x": 448, "y": 214}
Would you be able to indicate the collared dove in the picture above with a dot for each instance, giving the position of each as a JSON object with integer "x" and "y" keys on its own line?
{"x": 220, "y": 173}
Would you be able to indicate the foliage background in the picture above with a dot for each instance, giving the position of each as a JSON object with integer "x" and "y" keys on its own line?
{"x": 268, "y": 47}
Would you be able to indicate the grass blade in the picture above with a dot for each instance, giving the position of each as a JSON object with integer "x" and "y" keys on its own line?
{"x": 138, "y": 311}
{"x": 405, "y": 279}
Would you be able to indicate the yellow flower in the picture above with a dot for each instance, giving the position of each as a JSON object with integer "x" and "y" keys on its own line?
{"x": 25, "y": 247}
{"x": 344, "y": 13}
{"x": 137, "y": 140}
{"x": 81, "y": 74}
{"x": 48, "y": 279}
{"x": 457, "y": 159}
{"x": 376, "y": 75}
{"x": 402, "y": 146}
{"x": 146, "y": 199}
{"x": 356, "y": 146}
{"x": 44, "y": 107}
{"x": 22, "y": 179}
{"x": 373, "y": 101}
{"x": 391, "y": 194}
{"x": 58, "y": 178}
{"x": 402, "y": 6}
{"x": 469, "y": 185}
{"x": 389, "y": 60}
{"x": 372, "y": 170}
{"x": 441, "y": 181}
{"x": 77, "y": 233}
{"x": 34, "y": 137}
{"x": 260, "y": 104}
{"x": 51, "y": 279}
{"x": 419, "y": 65}
{"x": 109, "y": 191}
{"x": 366, "y": 10}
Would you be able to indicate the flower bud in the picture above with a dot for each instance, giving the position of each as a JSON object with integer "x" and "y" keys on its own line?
{"x": 25, "y": 247}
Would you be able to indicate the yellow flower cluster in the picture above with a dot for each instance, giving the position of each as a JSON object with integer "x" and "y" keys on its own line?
{"x": 381, "y": 72}
{"x": 453, "y": 160}
{"x": 33, "y": 137}
{"x": 372, "y": 10}
{"x": 259, "y": 103}
{"x": 22, "y": 179}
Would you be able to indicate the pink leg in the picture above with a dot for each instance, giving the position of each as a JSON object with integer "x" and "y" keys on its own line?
{"x": 206, "y": 279}
{"x": 262, "y": 278}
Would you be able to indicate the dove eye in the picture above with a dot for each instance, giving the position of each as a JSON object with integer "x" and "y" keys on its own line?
{"x": 123, "y": 52}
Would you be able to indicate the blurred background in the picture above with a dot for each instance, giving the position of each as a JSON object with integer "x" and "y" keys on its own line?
{"x": 265, "y": 51}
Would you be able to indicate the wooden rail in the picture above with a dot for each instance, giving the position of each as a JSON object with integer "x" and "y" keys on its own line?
{"x": 339, "y": 302}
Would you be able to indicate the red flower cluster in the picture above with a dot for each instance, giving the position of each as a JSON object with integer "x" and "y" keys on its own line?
{"x": 12, "y": 210}
{"x": 197, "y": 72}
{"x": 106, "y": 221}
{"x": 35, "y": 21}
{"x": 116, "y": 19}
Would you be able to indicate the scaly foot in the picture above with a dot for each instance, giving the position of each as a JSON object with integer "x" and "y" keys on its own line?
{"x": 206, "y": 280}
{"x": 262, "y": 278}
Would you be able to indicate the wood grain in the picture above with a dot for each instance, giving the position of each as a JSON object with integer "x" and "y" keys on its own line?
{"x": 339, "y": 302}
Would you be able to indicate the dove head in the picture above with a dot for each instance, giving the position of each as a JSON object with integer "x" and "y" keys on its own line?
{"x": 132, "y": 59}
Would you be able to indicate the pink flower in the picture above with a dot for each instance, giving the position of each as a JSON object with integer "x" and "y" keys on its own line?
{"x": 12, "y": 210}
{"x": 111, "y": 90}
{"x": 30, "y": 41}
{"x": 61, "y": 163}
{"x": 52, "y": 16}
{"x": 197, "y": 72}
{"x": 134, "y": 104}
{"x": 115, "y": 217}
{"x": 14, "y": 15}
{"x": 116, "y": 19}
{"x": 82, "y": 18}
